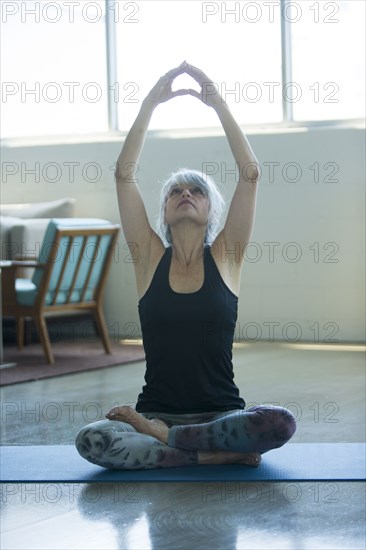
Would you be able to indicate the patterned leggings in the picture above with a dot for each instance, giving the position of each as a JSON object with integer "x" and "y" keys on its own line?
{"x": 114, "y": 444}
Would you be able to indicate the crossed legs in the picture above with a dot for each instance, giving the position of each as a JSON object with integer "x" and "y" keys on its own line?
{"x": 129, "y": 440}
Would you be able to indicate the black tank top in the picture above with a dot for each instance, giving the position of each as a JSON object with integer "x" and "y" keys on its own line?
{"x": 188, "y": 344}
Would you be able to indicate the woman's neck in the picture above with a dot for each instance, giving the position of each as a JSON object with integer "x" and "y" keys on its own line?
{"x": 187, "y": 253}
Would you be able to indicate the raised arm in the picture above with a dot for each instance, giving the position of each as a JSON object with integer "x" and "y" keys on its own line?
{"x": 137, "y": 229}
{"x": 239, "y": 222}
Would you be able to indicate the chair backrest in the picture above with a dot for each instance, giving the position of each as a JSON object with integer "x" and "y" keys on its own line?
{"x": 77, "y": 252}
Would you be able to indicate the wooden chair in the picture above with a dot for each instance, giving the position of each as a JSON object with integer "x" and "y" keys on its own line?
{"x": 69, "y": 276}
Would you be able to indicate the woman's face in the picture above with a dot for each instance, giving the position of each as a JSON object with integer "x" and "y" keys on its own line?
{"x": 187, "y": 201}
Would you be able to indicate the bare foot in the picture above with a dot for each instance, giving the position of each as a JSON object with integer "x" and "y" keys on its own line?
{"x": 228, "y": 457}
{"x": 155, "y": 427}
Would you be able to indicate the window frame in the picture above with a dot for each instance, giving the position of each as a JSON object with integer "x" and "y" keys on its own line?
{"x": 286, "y": 73}
{"x": 287, "y": 122}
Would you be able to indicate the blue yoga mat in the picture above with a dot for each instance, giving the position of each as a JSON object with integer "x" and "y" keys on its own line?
{"x": 295, "y": 462}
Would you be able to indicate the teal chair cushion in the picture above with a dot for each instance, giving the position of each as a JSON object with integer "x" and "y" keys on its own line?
{"x": 27, "y": 292}
{"x": 27, "y": 289}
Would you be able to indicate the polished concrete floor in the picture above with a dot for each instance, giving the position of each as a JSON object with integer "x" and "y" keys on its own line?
{"x": 324, "y": 386}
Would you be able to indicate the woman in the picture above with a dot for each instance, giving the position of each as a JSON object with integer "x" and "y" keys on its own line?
{"x": 189, "y": 411}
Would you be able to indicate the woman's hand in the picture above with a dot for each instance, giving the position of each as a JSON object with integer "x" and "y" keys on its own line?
{"x": 162, "y": 91}
{"x": 209, "y": 93}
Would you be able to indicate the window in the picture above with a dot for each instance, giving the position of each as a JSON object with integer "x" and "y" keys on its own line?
{"x": 53, "y": 68}
{"x": 328, "y": 60}
{"x": 78, "y": 67}
{"x": 240, "y": 49}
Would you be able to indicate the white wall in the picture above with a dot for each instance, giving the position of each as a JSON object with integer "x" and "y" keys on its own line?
{"x": 318, "y": 296}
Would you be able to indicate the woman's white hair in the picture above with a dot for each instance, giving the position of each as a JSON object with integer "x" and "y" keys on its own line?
{"x": 209, "y": 188}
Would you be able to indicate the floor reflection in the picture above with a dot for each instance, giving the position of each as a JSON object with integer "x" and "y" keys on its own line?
{"x": 164, "y": 516}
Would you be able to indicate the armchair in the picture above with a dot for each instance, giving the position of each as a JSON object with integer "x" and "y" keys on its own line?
{"x": 69, "y": 276}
